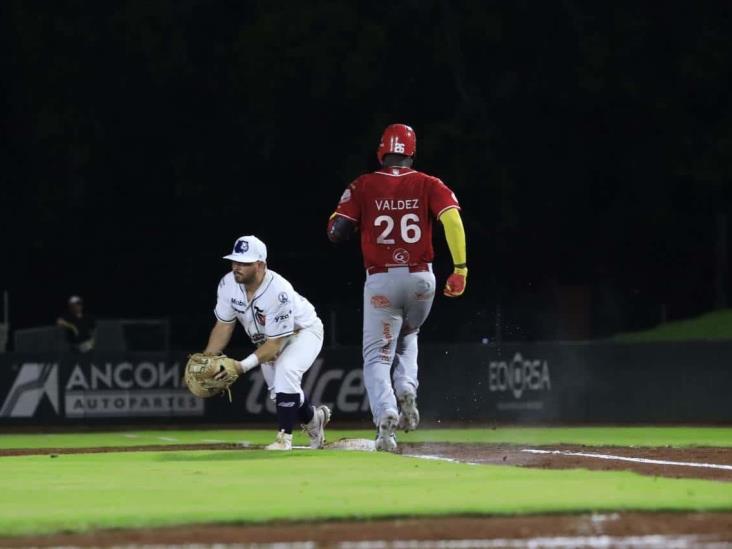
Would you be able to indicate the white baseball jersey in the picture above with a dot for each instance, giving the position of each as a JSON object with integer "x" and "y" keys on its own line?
{"x": 276, "y": 310}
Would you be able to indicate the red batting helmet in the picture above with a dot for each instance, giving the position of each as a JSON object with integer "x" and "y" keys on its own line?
{"x": 397, "y": 139}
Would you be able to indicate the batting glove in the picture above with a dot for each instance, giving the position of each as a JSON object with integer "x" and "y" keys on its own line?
{"x": 455, "y": 285}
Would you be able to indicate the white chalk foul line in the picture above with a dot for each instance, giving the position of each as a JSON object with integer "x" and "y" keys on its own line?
{"x": 573, "y": 542}
{"x": 439, "y": 458}
{"x": 632, "y": 459}
{"x": 562, "y": 542}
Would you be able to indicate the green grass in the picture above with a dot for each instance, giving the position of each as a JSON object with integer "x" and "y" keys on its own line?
{"x": 39, "y": 494}
{"x": 711, "y": 326}
{"x": 591, "y": 436}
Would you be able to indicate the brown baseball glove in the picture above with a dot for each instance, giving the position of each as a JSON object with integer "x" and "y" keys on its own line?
{"x": 208, "y": 375}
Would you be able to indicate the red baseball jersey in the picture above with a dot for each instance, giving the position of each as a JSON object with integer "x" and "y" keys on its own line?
{"x": 394, "y": 208}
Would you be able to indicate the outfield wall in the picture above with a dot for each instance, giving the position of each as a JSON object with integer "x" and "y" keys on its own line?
{"x": 552, "y": 382}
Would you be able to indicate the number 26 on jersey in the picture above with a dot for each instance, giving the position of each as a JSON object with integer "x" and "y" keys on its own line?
{"x": 409, "y": 229}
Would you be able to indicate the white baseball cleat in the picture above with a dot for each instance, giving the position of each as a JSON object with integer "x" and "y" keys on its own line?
{"x": 409, "y": 415}
{"x": 385, "y": 436}
{"x": 316, "y": 428}
{"x": 282, "y": 442}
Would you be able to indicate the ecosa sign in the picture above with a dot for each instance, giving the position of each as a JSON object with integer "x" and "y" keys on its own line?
{"x": 519, "y": 376}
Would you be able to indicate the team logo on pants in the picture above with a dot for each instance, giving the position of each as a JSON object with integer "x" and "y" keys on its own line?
{"x": 380, "y": 302}
{"x": 387, "y": 338}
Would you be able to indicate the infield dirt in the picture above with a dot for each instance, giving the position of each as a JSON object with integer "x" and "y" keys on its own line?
{"x": 497, "y": 454}
{"x": 694, "y": 530}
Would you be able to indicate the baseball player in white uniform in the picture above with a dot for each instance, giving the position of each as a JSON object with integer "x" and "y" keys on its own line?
{"x": 285, "y": 329}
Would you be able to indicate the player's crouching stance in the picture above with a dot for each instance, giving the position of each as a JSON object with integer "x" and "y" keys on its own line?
{"x": 284, "y": 327}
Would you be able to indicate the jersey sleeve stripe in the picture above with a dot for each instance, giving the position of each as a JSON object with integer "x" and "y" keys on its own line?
{"x": 347, "y": 217}
{"x": 223, "y": 320}
{"x": 443, "y": 210}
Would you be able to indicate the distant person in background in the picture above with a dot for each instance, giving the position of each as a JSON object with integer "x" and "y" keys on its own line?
{"x": 78, "y": 326}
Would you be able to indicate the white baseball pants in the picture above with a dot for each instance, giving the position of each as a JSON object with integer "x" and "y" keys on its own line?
{"x": 284, "y": 374}
{"x": 395, "y": 305}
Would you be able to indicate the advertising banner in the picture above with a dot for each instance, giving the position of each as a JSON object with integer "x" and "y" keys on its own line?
{"x": 532, "y": 383}
{"x": 53, "y": 388}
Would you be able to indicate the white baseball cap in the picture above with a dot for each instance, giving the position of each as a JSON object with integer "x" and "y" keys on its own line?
{"x": 248, "y": 249}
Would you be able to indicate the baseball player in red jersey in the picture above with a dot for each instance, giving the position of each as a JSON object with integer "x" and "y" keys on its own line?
{"x": 393, "y": 209}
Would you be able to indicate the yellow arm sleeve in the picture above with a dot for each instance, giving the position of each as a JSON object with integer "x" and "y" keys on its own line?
{"x": 455, "y": 235}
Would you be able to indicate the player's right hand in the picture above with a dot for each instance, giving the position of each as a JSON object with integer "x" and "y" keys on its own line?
{"x": 455, "y": 285}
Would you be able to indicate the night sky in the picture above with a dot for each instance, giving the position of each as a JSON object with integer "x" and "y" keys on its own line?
{"x": 590, "y": 145}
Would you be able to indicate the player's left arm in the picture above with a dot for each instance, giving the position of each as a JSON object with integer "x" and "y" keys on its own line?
{"x": 267, "y": 351}
{"x": 271, "y": 348}
{"x": 343, "y": 222}
{"x": 67, "y": 325}
{"x": 455, "y": 236}
{"x": 340, "y": 228}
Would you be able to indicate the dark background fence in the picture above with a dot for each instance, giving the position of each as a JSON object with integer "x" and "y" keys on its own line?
{"x": 475, "y": 384}
{"x": 589, "y": 144}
